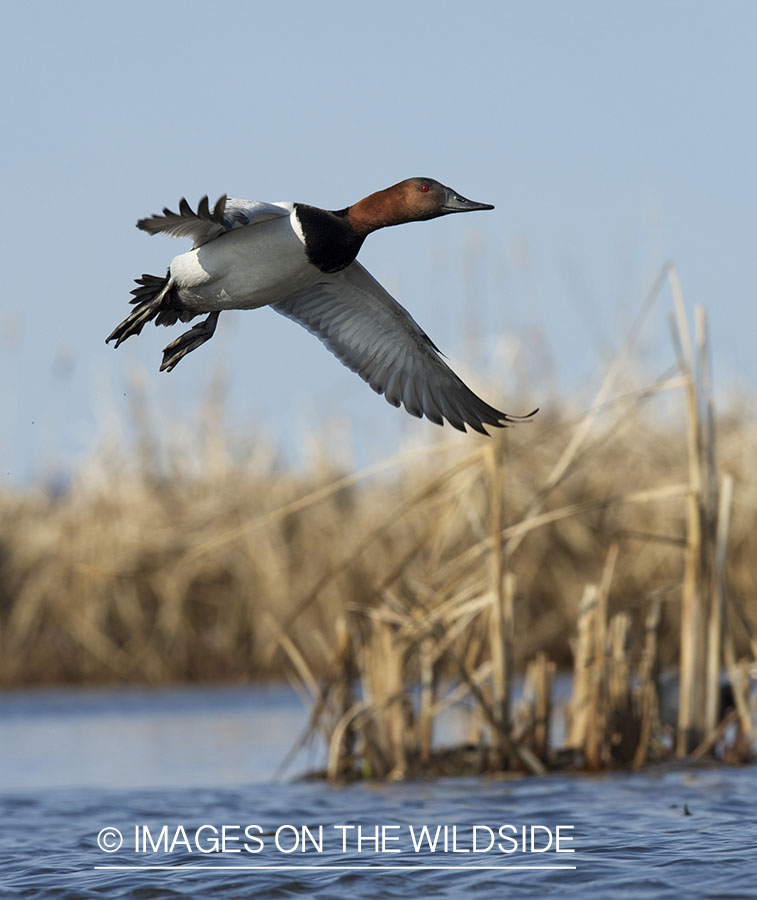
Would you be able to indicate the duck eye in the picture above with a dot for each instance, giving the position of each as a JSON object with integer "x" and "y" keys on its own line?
{"x": 424, "y": 188}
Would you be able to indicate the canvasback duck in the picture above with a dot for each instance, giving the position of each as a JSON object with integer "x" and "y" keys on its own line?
{"x": 301, "y": 261}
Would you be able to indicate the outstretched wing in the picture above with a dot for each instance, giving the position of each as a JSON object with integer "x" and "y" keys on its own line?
{"x": 206, "y": 224}
{"x": 373, "y": 335}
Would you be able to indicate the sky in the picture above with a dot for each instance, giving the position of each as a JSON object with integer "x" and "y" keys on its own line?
{"x": 610, "y": 136}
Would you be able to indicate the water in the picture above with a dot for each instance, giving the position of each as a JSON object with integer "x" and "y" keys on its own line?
{"x": 192, "y": 761}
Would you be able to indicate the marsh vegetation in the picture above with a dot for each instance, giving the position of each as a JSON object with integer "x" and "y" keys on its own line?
{"x": 613, "y": 541}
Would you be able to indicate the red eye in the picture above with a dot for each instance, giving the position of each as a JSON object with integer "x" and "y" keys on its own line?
{"x": 424, "y": 188}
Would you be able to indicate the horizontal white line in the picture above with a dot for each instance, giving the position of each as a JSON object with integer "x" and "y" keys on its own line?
{"x": 368, "y": 867}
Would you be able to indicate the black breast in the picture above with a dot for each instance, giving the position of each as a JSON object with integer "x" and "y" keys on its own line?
{"x": 330, "y": 242}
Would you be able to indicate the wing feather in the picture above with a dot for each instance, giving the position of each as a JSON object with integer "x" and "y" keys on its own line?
{"x": 368, "y": 330}
{"x": 206, "y": 224}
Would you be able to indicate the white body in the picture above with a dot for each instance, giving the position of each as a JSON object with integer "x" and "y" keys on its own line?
{"x": 245, "y": 268}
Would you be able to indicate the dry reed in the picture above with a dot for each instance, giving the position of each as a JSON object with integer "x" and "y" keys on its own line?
{"x": 615, "y": 543}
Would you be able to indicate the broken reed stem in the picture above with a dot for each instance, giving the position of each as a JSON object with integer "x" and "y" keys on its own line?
{"x": 387, "y": 689}
{"x": 647, "y": 692}
{"x": 709, "y": 470}
{"x": 603, "y": 723}
{"x": 540, "y": 674}
{"x": 739, "y": 678}
{"x": 690, "y": 707}
{"x": 582, "y": 658}
{"x": 344, "y": 696}
{"x": 623, "y": 720}
{"x": 716, "y": 619}
{"x": 619, "y": 678}
{"x": 334, "y": 767}
{"x": 597, "y": 746}
{"x": 503, "y": 589}
{"x": 715, "y": 734}
{"x": 426, "y": 712}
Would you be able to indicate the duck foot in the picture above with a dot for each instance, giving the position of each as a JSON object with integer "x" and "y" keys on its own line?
{"x": 189, "y": 341}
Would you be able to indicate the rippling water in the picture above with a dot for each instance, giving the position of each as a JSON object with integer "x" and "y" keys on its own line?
{"x": 169, "y": 769}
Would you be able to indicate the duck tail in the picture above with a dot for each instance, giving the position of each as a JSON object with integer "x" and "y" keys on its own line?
{"x": 153, "y": 300}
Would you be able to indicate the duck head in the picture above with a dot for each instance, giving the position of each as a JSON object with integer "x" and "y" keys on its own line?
{"x": 412, "y": 200}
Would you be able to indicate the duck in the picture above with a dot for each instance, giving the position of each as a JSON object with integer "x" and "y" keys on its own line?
{"x": 301, "y": 261}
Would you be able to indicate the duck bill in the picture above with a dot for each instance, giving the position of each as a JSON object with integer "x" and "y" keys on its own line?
{"x": 454, "y": 202}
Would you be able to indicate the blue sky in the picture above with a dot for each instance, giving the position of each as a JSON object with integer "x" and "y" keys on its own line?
{"x": 610, "y": 137}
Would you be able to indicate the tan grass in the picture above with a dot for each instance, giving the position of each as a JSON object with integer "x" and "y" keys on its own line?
{"x": 465, "y": 559}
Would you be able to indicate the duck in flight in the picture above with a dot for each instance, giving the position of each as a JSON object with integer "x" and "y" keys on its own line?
{"x": 301, "y": 261}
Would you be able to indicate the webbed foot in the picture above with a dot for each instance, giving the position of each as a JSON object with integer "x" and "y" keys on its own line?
{"x": 189, "y": 341}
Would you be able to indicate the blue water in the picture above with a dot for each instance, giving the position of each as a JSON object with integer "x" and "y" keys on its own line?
{"x": 195, "y": 760}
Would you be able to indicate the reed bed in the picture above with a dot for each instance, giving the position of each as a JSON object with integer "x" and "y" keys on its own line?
{"x": 614, "y": 543}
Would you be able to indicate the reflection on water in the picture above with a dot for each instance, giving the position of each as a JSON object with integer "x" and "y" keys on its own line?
{"x": 74, "y": 763}
{"x": 168, "y": 737}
